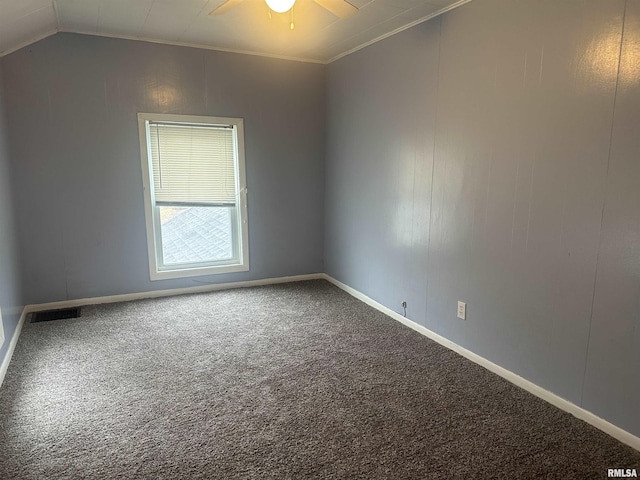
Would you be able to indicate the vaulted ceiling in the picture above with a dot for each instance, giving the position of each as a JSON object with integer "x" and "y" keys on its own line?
{"x": 318, "y": 34}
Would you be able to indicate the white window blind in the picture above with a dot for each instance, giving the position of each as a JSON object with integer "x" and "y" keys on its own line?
{"x": 192, "y": 164}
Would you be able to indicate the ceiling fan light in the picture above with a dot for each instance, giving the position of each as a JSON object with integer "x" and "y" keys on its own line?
{"x": 280, "y": 6}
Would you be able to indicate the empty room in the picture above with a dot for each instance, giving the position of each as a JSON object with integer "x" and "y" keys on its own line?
{"x": 288, "y": 239}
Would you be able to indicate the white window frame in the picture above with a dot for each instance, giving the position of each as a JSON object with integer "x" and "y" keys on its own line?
{"x": 151, "y": 212}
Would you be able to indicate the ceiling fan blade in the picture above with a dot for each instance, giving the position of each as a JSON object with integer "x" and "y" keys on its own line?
{"x": 229, "y": 4}
{"x": 340, "y": 8}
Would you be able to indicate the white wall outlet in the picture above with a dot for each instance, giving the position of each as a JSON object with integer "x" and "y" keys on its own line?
{"x": 462, "y": 310}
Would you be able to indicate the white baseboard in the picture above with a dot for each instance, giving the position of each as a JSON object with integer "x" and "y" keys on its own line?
{"x": 12, "y": 346}
{"x": 579, "y": 412}
{"x": 552, "y": 398}
{"x": 127, "y": 297}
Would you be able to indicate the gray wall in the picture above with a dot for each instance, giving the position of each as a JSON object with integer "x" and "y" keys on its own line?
{"x": 491, "y": 155}
{"x": 10, "y": 294}
{"x": 80, "y": 203}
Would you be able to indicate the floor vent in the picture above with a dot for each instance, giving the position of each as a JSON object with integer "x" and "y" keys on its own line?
{"x": 49, "y": 315}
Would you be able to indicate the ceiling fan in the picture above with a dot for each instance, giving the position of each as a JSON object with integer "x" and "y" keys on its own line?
{"x": 340, "y": 8}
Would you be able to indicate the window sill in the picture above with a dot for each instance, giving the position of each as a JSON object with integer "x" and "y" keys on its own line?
{"x": 197, "y": 272}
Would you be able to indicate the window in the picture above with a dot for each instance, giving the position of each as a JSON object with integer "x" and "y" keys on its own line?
{"x": 194, "y": 194}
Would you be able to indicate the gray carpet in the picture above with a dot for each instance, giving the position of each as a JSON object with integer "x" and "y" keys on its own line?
{"x": 287, "y": 381}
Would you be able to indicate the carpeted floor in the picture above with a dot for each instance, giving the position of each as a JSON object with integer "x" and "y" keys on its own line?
{"x": 287, "y": 381}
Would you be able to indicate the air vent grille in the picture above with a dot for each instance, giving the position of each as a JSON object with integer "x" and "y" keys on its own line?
{"x": 49, "y": 315}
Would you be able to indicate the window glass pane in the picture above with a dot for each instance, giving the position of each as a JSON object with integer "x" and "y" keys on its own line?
{"x": 196, "y": 234}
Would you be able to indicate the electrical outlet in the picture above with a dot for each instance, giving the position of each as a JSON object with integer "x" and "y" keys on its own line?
{"x": 462, "y": 310}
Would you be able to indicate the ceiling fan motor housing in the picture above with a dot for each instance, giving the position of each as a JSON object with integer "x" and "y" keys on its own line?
{"x": 280, "y": 6}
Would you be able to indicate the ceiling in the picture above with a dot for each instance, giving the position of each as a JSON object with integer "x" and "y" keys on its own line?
{"x": 318, "y": 35}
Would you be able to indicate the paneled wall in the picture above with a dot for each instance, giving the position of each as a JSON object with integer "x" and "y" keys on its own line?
{"x": 491, "y": 156}
{"x": 72, "y": 104}
{"x": 10, "y": 294}
{"x": 612, "y": 375}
